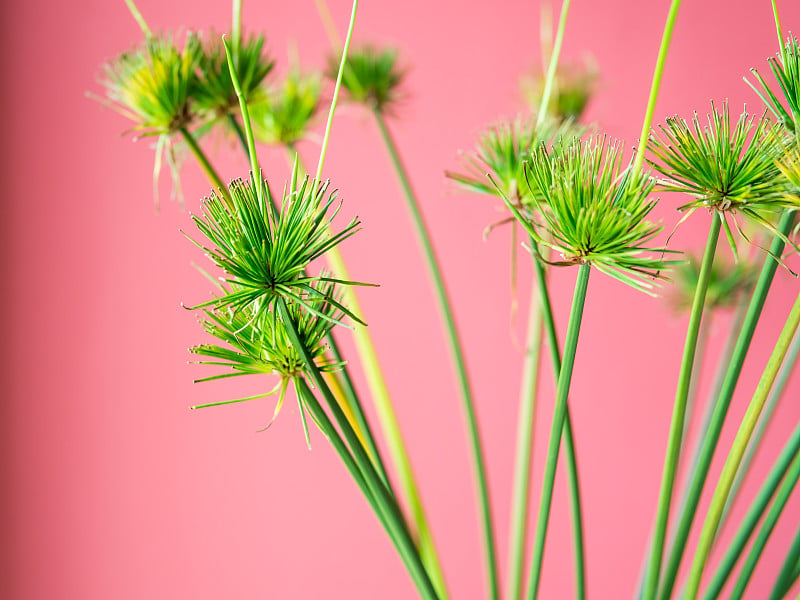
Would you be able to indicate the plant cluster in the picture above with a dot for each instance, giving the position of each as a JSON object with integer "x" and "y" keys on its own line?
{"x": 581, "y": 202}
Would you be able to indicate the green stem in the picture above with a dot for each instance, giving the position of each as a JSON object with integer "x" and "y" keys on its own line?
{"x": 551, "y": 69}
{"x": 781, "y": 41}
{"x": 784, "y": 580}
{"x": 569, "y": 441}
{"x": 781, "y": 498}
{"x": 559, "y": 417}
{"x": 204, "y": 163}
{"x": 656, "y": 84}
{"x": 711, "y": 436}
{"x": 351, "y": 397}
{"x": 524, "y": 451}
{"x": 789, "y": 457}
{"x": 738, "y": 449}
{"x": 239, "y": 133}
{"x": 236, "y": 25}
{"x": 456, "y": 350}
{"x": 139, "y": 19}
{"x": 336, "y": 88}
{"x": 766, "y": 417}
{"x": 397, "y": 527}
{"x": 678, "y": 412}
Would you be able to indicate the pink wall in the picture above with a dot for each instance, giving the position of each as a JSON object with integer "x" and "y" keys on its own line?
{"x": 115, "y": 490}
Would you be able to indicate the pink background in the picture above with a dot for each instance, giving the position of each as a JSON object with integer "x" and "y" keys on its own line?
{"x": 113, "y": 489}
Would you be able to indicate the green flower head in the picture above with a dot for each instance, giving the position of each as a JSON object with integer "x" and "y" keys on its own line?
{"x": 215, "y": 93}
{"x": 153, "y": 84}
{"x": 284, "y": 114}
{"x": 573, "y": 87}
{"x": 496, "y": 166}
{"x": 594, "y": 211}
{"x": 371, "y": 76}
{"x": 731, "y": 169}
{"x": 265, "y": 253}
{"x": 727, "y": 285}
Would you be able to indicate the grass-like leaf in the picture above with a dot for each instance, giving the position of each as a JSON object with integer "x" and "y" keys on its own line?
{"x": 786, "y": 70}
{"x": 594, "y": 211}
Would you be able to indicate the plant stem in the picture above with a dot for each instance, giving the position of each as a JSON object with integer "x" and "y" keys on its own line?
{"x": 559, "y": 416}
{"x": 789, "y": 457}
{"x": 397, "y": 527}
{"x": 766, "y": 416}
{"x": 336, "y": 89}
{"x": 781, "y": 498}
{"x": 139, "y": 19}
{"x": 738, "y": 448}
{"x": 350, "y": 398}
{"x": 236, "y": 25}
{"x": 445, "y": 306}
{"x": 784, "y": 580}
{"x": 569, "y": 442}
{"x": 551, "y": 69}
{"x": 239, "y": 133}
{"x": 204, "y": 163}
{"x": 678, "y": 411}
{"x": 711, "y": 436}
{"x": 781, "y": 42}
{"x": 656, "y": 84}
{"x": 524, "y": 451}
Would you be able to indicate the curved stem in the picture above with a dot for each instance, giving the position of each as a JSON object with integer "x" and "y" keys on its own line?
{"x": 203, "y": 161}
{"x": 656, "y": 84}
{"x": 559, "y": 417}
{"x": 524, "y": 451}
{"x": 789, "y": 456}
{"x": 551, "y": 69}
{"x": 678, "y": 412}
{"x": 445, "y": 306}
{"x": 738, "y": 448}
{"x": 784, "y": 580}
{"x": 711, "y": 437}
{"x": 396, "y": 525}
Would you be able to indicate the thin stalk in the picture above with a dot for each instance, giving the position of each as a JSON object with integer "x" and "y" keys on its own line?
{"x": 569, "y": 441}
{"x": 678, "y": 412}
{"x": 738, "y": 449}
{"x": 781, "y": 498}
{"x": 380, "y": 509}
{"x": 711, "y": 436}
{"x": 781, "y": 41}
{"x": 236, "y": 25}
{"x": 203, "y": 161}
{"x": 551, "y": 69}
{"x": 336, "y": 88}
{"x": 763, "y": 423}
{"x": 396, "y": 524}
{"x": 796, "y": 573}
{"x": 445, "y": 306}
{"x": 139, "y": 19}
{"x": 656, "y": 84}
{"x": 524, "y": 452}
{"x": 784, "y": 580}
{"x": 787, "y": 458}
{"x": 559, "y": 417}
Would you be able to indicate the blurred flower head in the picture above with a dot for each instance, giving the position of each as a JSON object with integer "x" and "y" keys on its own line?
{"x": 284, "y": 114}
{"x": 371, "y": 76}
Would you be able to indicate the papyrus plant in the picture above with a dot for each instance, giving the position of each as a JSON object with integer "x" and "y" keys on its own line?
{"x": 582, "y": 204}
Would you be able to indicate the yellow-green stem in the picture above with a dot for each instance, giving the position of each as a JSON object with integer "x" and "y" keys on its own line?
{"x": 738, "y": 449}
{"x": 205, "y": 164}
{"x": 551, "y": 70}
